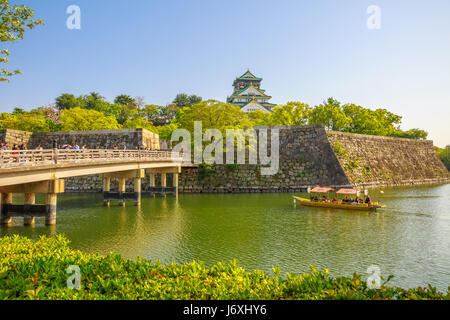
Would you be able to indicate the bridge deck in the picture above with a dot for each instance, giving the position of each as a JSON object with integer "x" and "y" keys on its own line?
{"x": 27, "y": 166}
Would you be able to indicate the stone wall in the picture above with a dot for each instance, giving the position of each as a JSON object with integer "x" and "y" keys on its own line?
{"x": 103, "y": 139}
{"x": 14, "y": 137}
{"x": 309, "y": 156}
{"x": 306, "y": 158}
{"x": 373, "y": 160}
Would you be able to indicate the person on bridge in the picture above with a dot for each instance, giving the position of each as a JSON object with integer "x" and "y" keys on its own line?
{"x": 39, "y": 147}
{"x": 76, "y": 146}
{"x": 3, "y": 146}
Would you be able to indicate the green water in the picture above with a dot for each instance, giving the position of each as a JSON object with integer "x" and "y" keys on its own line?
{"x": 410, "y": 239}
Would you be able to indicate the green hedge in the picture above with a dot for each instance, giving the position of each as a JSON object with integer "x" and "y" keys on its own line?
{"x": 37, "y": 270}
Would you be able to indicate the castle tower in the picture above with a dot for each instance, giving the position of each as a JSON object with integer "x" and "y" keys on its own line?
{"x": 248, "y": 94}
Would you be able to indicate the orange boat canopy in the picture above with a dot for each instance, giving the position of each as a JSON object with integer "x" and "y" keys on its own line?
{"x": 322, "y": 190}
{"x": 347, "y": 191}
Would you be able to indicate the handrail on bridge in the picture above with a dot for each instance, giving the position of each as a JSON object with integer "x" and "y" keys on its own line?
{"x": 19, "y": 158}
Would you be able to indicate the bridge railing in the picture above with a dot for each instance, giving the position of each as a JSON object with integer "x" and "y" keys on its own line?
{"x": 21, "y": 158}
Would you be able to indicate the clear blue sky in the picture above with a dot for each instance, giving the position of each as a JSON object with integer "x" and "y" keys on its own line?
{"x": 305, "y": 51}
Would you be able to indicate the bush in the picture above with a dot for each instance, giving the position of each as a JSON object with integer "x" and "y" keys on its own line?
{"x": 37, "y": 270}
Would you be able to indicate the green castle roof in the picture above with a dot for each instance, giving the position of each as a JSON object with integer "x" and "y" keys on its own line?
{"x": 239, "y": 91}
{"x": 249, "y": 76}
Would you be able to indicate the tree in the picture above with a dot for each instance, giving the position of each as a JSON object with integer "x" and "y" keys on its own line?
{"x": 260, "y": 118}
{"x": 93, "y": 101}
{"x": 183, "y": 100}
{"x": 151, "y": 112}
{"x": 168, "y": 113}
{"x": 77, "y": 119}
{"x": 138, "y": 123}
{"x": 50, "y": 112}
{"x": 68, "y": 101}
{"x": 444, "y": 155}
{"x": 290, "y": 114}
{"x": 33, "y": 121}
{"x": 125, "y": 100}
{"x": 14, "y": 21}
{"x": 411, "y": 134}
{"x": 331, "y": 115}
{"x": 165, "y": 132}
{"x": 213, "y": 115}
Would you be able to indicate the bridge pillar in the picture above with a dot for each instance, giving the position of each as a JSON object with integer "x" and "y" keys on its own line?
{"x": 175, "y": 183}
{"x": 153, "y": 182}
{"x": 50, "y": 216}
{"x": 137, "y": 190}
{"x": 106, "y": 188}
{"x": 5, "y": 218}
{"x": 30, "y": 199}
{"x": 164, "y": 181}
{"x": 122, "y": 187}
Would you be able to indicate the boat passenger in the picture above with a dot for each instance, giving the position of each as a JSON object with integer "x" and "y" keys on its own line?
{"x": 345, "y": 199}
{"x": 324, "y": 198}
{"x": 368, "y": 200}
{"x": 334, "y": 200}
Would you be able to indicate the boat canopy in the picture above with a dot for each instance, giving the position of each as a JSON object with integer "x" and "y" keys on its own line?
{"x": 322, "y": 190}
{"x": 347, "y": 191}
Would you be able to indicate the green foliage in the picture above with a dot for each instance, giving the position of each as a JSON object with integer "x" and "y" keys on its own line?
{"x": 183, "y": 100}
{"x": 138, "y": 123}
{"x": 133, "y": 113}
{"x": 259, "y": 118}
{"x": 34, "y": 121}
{"x": 411, "y": 134}
{"x": 68, "y": 101}
{"x": 339, "y": 149}
{"x": 165, "y": 132}
{"x": 331, "y": 115}
{"x": 367, "y": 171}
{"x": 232, "y": 167}
{"x": 37, "y": 270}
{"x": 205, "y": 171}
{"x": 290, "y": 114}
{"x": 214, "y": 115}
{"x": 357, "y": 119}
{"x": 125, "y": 100}
{"x": 444, "y": 155}
{"x": 14, "y": 21}
{"x": 77, "y": 119}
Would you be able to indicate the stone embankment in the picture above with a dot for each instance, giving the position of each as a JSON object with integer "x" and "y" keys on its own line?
{"x": 308, "y": 156}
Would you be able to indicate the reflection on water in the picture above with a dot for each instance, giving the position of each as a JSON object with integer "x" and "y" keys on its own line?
{"x": 410, "y": 239}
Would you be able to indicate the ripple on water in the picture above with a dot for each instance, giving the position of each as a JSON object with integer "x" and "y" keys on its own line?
{"x": 410, "y": 239}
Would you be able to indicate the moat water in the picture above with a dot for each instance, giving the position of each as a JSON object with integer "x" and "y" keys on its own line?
{"x": 410, "y": 239}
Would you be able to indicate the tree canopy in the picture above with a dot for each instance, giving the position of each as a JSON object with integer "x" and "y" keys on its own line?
{"x": 14, "y": 21}
{"x": 94, "y": 112}
{"x": 184, "y": 100}
{"x": 78, "y": 119}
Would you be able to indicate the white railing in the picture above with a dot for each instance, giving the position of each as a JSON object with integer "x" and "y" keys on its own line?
{"x": 33, "y": 158}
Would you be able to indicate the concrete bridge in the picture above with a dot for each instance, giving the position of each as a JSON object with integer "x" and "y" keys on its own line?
{"x": 32, "y": 172}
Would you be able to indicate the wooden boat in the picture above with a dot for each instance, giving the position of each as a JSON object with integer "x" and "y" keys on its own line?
{"x": 339, "y": 204}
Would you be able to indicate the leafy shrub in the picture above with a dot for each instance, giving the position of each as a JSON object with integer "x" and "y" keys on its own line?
{"x": 232, "y": 167}
{"x": 37, "y": 270}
